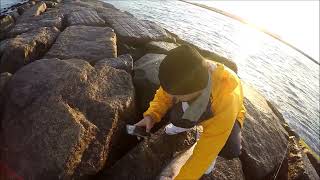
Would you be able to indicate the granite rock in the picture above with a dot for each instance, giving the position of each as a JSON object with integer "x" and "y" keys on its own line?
{"x": 62, "y": 118}
{"x": 85, "y": 42}
{"x": 26, "y": 48}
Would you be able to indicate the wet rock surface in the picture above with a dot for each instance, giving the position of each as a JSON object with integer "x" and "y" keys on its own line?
{"x": 26, "y": 48}
{"x": 85, "y": 42}
{"x": 60, "y": 117}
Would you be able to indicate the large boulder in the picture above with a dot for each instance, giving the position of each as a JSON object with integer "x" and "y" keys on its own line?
{"x": 26, "y": 48}
{"x": 124, "y": 62}
{"x": 211, "y": 56}
{"x": 132, "y": 30}
{"x": 148, "y": 158}
{"x": 6, "y": 22}
{"x": 85, "y": 42}
{"x": 264, "y": 139}
{"x": 87, "y": 17}
{"x": 160, "y": 47}
{"x": 146, "y": 81}
{"x": 61, "y": 119}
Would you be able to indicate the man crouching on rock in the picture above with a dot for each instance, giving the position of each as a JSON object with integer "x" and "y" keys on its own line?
{"x": 199, "y": 93}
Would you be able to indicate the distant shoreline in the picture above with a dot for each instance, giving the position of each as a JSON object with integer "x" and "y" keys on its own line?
{"x": 246, "y": 22}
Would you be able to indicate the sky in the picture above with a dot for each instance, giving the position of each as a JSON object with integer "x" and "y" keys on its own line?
{"x": 296, "y": 22}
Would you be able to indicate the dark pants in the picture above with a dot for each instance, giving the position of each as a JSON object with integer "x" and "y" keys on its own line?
{"x": 232, "y": 148}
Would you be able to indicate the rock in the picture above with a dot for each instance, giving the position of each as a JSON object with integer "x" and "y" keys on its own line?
{"x": 135, "y": 51}
{"x": 35, "y": 10}
{"x": 146, "y": 81}
{"x": 299, "y": 166}
{"x": 313, "y": 158}
{"x": 226, "y": 170}
{"x": 220, "y": 59}
{"x": 51, "y": 18}
{"x": 51, "y": 4}
{"x": 6, "y": 22}
{"x": 133, "y": 31}
{"x": 4, "y": 78}
{"x": 3, "y": 46}
{"x": 110, "y": 13}
{"x": 124, "y": 62}
{"x": 35, "y": 24}
{"x": 160, "y": 47}
{"x": 85, "y": 17}
{"x": 94, "y": 4}
{"x": 14, "y": 13}
{"x": 61, "y": 118}
{"x": 85, "y": 42}
{"x": 264, "y": 140}
{"x": 21, "y": 9}
{"x": 56, "y": 1}
{"x": 26, "y": 48}
{"x": 148, "y": 158}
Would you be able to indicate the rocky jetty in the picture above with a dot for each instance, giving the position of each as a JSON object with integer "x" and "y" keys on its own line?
{"x": 75, "y": 72}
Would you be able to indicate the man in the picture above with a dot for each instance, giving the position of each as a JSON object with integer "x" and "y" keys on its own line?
{"x": 199, "y": 93}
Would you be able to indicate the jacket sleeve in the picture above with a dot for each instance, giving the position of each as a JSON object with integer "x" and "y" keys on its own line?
{"x": 159, "y": 105}
{"x": 215, "y": 134}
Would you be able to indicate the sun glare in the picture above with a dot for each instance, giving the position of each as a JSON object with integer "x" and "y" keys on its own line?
{"x": 247, "y": 45}
{"x": 296, "y": 22}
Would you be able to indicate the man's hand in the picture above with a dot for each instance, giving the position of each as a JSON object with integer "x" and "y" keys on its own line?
{"x": 147, "y": 122}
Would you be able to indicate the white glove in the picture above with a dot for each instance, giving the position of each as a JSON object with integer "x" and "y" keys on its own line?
{"x": 172, "y": 129}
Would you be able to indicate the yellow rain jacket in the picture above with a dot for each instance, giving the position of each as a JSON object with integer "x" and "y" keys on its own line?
{"x": 227, "y": 106}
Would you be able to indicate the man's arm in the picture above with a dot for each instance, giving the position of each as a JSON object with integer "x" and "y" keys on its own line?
{"x": 159, "y": 105}
{"x": 215, "y": 134}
